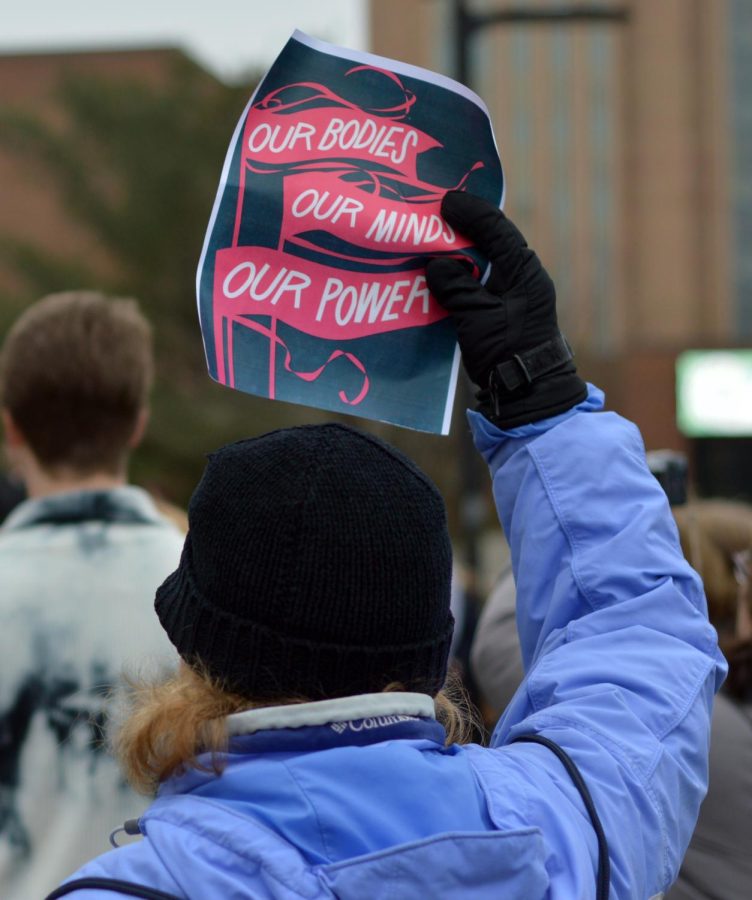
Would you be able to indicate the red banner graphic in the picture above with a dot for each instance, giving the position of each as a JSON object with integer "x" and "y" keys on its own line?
{"x": 309, "y": 297}
{"x": 318, "y": 201}
{"x": 316, "y": 134}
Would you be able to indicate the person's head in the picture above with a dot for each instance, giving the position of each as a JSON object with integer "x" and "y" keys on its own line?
{"x": 317, "y": 565}
{"x": 75, "y": 373}
{"x": 716, "y": 536}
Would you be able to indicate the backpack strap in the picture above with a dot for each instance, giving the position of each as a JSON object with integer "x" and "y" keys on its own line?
{"x": 126, "y": 888}
{"x": 604, "y": 865}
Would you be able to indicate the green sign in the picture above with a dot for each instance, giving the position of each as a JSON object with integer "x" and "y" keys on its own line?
{"x": 714, "y": 393}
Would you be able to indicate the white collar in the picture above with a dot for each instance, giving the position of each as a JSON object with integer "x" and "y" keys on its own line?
{"x": 324, "y": 712}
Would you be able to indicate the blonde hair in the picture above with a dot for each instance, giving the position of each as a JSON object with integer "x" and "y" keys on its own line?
{"x": 716, "y": 537}
{"x": 170, "y": 722}
{"x": 712, "y": 534}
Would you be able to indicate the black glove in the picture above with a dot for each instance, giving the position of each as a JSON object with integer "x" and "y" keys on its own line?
{"x": 510, "y": 341}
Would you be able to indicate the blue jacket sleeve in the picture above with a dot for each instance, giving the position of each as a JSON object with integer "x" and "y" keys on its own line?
{"x": 621, "y": 662}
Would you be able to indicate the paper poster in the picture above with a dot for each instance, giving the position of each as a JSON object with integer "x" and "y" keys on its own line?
{"x": 311, "y": 285}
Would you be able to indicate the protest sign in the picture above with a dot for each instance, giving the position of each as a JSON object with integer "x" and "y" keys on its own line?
{"x": 311, "y": 284}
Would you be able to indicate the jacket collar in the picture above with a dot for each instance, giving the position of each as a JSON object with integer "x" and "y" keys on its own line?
{"x": 345, "y": 722}
{"x": 304, "y": 728}
{"x": 125, "y": 505}
{"x": 329, "y": 712}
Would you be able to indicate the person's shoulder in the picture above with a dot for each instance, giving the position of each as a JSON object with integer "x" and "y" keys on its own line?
{"x": 148, "y": 520}
{"x": 155, "y": 511}
{"x": 136, "y": 864}
{"x": 171, "y": 515}
{"x": 23, "y": 550}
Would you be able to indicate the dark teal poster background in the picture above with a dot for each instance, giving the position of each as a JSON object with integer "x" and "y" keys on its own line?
{"x": 403, "y": 375}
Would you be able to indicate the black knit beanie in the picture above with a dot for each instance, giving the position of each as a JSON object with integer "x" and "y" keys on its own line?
{"x": 317, "y": 564}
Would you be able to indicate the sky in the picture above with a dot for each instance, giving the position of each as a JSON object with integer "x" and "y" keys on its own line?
{"x": 228, "y": 36}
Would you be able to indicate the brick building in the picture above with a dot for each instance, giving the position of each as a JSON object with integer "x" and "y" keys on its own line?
{"x": 628, "y": 151}
{"x": 32, "y": 212}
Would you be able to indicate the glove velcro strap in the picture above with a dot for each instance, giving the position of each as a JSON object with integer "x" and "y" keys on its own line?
{"x": 524, "y": 368}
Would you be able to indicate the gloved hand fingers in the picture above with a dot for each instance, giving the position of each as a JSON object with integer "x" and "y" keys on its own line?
{"x": 456, "y": 289}
{"x": 489, "y": 230}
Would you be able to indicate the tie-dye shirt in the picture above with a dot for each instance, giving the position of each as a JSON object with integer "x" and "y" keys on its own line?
{"x": 78, "y": 573}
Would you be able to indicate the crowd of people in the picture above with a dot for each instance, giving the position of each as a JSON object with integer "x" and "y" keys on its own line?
{"x": 264, "y": 707}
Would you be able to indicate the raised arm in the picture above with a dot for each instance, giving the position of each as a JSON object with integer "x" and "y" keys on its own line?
{"x": 621, "y": 662}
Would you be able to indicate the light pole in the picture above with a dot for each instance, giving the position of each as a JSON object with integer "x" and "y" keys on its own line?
{"x": 467, "y": 23}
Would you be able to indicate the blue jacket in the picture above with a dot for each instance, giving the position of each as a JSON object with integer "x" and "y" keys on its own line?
{"x": 358, "y": 798}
